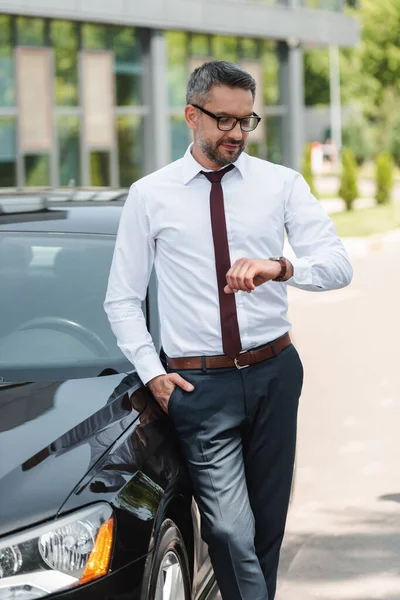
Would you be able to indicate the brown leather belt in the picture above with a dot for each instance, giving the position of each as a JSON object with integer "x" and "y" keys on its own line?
{"x": 245, "y": 359}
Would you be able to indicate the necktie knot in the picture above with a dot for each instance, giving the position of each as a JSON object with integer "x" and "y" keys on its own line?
{"x": 216, "y": 176}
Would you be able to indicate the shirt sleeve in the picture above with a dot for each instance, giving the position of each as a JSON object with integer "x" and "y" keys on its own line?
{"x": 321, "y": 261}
{"x": 127, "y": 287}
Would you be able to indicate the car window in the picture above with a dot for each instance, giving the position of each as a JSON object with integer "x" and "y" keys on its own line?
{"x": 52, "y": 289}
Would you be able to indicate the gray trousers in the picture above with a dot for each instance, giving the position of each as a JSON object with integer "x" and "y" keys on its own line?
{"x": 238, "y": 434}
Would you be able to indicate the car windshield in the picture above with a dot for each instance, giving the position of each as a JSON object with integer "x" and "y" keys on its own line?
{"x": 53, "y": 325}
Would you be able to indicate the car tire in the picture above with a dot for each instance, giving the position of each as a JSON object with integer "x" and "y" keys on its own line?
{"x": 167, "y": 574}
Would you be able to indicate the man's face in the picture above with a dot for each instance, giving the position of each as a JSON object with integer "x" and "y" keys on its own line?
{"x": 222, "y": 147}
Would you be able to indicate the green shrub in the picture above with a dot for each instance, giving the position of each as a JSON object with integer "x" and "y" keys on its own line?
{"x": 307, "y": 168}
{"x": 348, "y": 190}
{"x": 384, "y": 177}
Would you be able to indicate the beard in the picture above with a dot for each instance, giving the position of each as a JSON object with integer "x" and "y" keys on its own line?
{"x": 212, "y": 152}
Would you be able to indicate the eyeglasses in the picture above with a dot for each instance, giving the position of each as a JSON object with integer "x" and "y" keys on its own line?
{"x": 229, "y": 123}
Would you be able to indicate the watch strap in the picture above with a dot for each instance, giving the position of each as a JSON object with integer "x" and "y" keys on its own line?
{"x": 283, "y": 262}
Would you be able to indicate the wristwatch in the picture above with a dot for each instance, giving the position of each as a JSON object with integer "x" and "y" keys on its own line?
{"x": 283, "y": 263}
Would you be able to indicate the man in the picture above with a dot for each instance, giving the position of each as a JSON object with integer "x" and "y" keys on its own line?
{"x": 234, "y": 379}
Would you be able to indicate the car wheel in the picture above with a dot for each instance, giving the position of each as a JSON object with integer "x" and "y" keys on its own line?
{"x": 167, "y": 574}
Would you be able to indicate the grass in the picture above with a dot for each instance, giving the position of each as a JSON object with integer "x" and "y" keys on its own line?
{"x": 367, "y": 221}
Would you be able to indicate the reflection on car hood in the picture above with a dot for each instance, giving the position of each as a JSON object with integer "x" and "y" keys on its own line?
{"x": 51, "y": 434}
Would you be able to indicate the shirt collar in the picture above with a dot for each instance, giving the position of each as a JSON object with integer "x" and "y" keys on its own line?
{"x": 191, "y": 167}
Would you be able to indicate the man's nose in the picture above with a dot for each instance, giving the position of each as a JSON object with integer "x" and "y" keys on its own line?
{"x": 236, "y": 133}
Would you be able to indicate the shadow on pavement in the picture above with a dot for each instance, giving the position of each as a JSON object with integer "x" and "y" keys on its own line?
{"x": 356, "y": 557}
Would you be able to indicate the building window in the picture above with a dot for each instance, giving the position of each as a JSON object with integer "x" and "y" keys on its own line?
{"x": 270, "y": 62}
{"x": 274, "y": 139}
{"x": 177, "y": 68}
{"x": 199, "y": 45}
{"x": 8, "y": 175}
{"x": 7, "y": 89}
{"x": 249, "y": 48}
{"x": 95, "y": 37}
{"x": 100, "y": 168}
{"x": 64, "y": 36}
{"x": 30, "y": 32}
{"x": 130, "y": 149}
{"x": 127, "y": 66}
{"x": 37, "y": 169}
{"x": 68, "y": 135}
{"x": 180, "y": 136}
{"x": 225, "y": 48}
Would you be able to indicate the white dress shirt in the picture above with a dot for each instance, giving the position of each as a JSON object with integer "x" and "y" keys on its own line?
{"x": 166, "y": 222}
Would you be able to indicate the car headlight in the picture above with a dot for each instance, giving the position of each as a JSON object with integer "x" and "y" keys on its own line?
{"x": 65, "y": 553}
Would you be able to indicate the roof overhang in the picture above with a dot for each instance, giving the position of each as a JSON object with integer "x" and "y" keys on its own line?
{"x": 230, "y": 17}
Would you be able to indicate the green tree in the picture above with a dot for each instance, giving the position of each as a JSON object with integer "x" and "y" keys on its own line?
{"x": 384, "y": 177}
{"x": 369, "y": 73}
{"x": 348, "y": 190}
{"x": 357, "y": 135}
{"x": 307, "y": 169}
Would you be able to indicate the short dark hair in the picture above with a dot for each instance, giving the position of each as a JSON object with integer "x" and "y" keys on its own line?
{"x": 217, "y": 73}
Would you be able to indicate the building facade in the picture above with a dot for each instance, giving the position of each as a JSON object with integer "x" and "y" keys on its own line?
{"x": 92, "y": 92}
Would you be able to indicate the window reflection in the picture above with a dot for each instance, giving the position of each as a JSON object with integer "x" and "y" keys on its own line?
{"x": 130, "y": 150}
{"x": 30, "y": 32}
{"x": 64, "y": 36}
{"x": 225, "y": 48}
{"x": 177, "y": 68}
{"x": 100, "y": 168}
{"x": 199, "y": 44}
{"x": 94, "y": 37}
{"x": 127, "y": 66}
{"x": 37, "y": 169}
{"x": 68, "y": 149}
{"x": 274, "y": 139}
{"x": 7, "y": 91}
{"x": 8, "y": 176}
{"x": 180, "y": 137}
{"x": 249, "y": 48}
{"x": 270, "y": 64}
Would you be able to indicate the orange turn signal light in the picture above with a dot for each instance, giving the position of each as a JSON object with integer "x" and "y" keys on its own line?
{"x": 99, "y": 559}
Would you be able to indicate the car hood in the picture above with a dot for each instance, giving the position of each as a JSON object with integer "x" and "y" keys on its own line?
{"x": 51, "y": 434}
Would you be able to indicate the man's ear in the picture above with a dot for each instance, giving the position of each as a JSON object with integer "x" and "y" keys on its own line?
{"x": 191, "y": 116}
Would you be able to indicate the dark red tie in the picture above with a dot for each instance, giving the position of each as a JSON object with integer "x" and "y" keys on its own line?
{"x": 227, "y": 303}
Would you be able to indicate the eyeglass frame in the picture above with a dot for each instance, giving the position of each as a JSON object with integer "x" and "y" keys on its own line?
{"x": 237, "y": 119}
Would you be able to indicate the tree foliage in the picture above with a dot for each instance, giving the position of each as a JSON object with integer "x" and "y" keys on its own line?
{"x": 368, "y": 69}
{"x": 370, "y": 76}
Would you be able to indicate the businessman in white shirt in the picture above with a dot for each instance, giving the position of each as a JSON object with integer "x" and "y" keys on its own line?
{"x": 213, "y": 224}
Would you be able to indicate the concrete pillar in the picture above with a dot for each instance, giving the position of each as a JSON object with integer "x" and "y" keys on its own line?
{"x": 155, "y": 97}
{"x": 292, "y": 96}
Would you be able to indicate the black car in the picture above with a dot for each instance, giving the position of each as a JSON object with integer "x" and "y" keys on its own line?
{"x": 95, "y": 502}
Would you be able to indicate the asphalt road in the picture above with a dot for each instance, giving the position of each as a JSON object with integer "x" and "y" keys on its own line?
{"x": 343, "y": 531}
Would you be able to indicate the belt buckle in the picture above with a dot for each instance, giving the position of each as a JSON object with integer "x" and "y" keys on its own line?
{"x": 235, "y": 360}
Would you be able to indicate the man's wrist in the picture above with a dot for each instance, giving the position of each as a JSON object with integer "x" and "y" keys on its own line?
{"x": 153, "y": 382}
{"x": 284, "y": 268}
{"x": 289, "y": 270}
{"x": 277, "y": 267}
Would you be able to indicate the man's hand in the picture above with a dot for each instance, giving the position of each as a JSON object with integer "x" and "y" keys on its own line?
{"x": 162, "y": 387}
{"x": 248, "y": 273}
